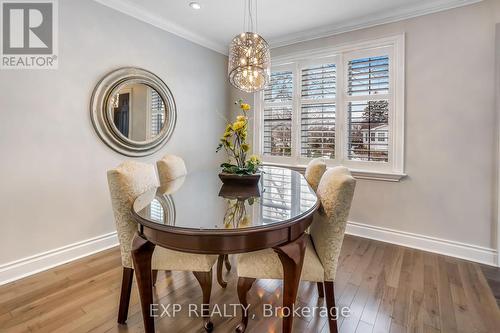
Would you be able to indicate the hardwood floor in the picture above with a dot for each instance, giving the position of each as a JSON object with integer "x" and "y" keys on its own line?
{"x": 389, "y": 288}
{"x": 492, "y": 275}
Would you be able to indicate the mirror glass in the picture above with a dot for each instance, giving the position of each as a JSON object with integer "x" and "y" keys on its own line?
{"x": 138, "y": 112}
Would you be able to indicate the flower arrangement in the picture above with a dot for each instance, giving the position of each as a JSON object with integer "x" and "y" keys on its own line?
{"x": 233, "y": 141}
{"x": 236, "y": 215}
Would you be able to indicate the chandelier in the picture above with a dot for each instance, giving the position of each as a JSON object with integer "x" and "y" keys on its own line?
{"x": 249, "y": 56}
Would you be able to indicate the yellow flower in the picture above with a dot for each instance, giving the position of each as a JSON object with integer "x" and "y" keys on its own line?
{"x": 241, "y": 118}
{"x": 238, "y": 125}
{"x": 255, "y": 159}
{"x": 245, "y": 221}
{"x": 245, "y": 107}
{"x": 245, "y": 147}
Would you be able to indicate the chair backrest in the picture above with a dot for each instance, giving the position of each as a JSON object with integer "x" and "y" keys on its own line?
{"x": 314, "y": 171}
{"x": 126, "y": 183}
{"x": 170, "y": 167}
{"x": 335, "y": 191}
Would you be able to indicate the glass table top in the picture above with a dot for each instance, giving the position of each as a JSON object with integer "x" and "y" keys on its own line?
{"x": 200, "y": 201}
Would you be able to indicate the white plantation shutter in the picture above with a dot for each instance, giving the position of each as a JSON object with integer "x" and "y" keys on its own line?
{"x": 157, "y": 113}
{"x": 368, "y": 98}
{"x": 343, "y": 104}
{"x": 368, "y": 76}
{"x": 319, "y": 82}
{"x": 156, "y": 210}
{"x": 276, "y": 197}
{"x": 317, "y": 111}
{"x": 278, "y": 97}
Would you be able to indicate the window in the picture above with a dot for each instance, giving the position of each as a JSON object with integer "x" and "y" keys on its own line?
{"x": 317, "y": 111}
{"x": 278, "y": 114}
{"x": 157, "y": 113}
{"x": 367, "y": 78}
{"x": 345, "y": 105}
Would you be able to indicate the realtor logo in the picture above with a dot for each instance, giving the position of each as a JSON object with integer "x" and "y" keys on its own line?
{"x": 29, "y": 34}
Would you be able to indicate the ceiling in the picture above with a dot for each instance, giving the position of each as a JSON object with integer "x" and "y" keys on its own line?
{"x": 280, "y": 22}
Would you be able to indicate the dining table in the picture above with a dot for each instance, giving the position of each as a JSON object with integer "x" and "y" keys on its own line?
{"x": 197, "y": 213}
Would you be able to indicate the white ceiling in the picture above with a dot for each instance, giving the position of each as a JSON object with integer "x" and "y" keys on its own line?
{"x": 280, "y": 22}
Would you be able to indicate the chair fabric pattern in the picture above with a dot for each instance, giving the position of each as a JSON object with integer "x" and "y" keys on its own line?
{"x": 335, "y": 191}
{"x": 170, "y": 167}
{"x": 126, "y": 183}
{"x": 314, "y": 171}
{"x": 265, "y": 264}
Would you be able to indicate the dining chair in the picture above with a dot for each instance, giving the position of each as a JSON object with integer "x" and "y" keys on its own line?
{"x": 171, "y": 167}
{"x": 323, "y": 244}
{"x": 126, "y": 183}
{"x": 314, "y": 171}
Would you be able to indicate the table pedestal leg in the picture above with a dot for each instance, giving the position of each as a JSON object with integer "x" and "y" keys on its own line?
{"x": 142, "y": 251}
{"x": 292, "y": 258}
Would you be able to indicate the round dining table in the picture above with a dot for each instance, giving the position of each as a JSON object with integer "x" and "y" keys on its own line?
{"x": 196, "y": 213}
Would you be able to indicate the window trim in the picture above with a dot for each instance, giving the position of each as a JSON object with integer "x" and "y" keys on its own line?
{"x": 341, "y": 54}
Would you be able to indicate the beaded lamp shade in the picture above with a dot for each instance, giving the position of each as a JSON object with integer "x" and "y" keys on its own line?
{"x": 249, "y": 62}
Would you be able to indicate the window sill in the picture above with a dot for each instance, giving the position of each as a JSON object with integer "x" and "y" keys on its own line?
{"x": 358, "y": 174}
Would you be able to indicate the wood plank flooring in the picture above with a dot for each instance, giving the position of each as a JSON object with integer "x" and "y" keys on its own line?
{"x": 388, "y": 288}
{"x": 492, "y": 275}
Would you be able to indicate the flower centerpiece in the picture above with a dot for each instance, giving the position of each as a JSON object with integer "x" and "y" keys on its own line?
{"x": 239, "y": 166}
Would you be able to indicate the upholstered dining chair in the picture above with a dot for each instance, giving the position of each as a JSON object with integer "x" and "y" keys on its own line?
{"x": 171, "y": 167}
{"x": 126, "y": 183}
{"x": 335, "y": 191}
{"x": 314, "y": 171}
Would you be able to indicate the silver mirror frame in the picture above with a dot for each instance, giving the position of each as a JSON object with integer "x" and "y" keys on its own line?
{"x": 104, "y": 126}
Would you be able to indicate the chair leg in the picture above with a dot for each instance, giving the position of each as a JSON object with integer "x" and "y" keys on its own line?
{"x": 155, "y": 276}
{"x": 128, "y": 276}
{"x": 227, "y": 262}
{"x": 220, "y": 263}
{"x": 205, "y": 280}
{"x": 330, "y": 304}
{"x": 321, "y": 290}
{"x": 244, "y": 285}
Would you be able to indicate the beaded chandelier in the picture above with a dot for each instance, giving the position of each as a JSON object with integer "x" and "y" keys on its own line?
{"x": 249, "y": 58}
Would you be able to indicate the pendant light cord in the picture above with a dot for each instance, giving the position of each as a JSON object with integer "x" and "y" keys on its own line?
{"x": 248, "y": 24}
{"x": 250, "y": 16}
{"x": 256, "y": 17}
{"x": 244, "y": 15}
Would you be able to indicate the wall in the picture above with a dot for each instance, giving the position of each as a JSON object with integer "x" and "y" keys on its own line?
{"x": 451, "y": 154}
{"x": 53, "y": 182}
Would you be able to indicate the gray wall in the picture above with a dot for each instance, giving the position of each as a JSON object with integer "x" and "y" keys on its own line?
{"x": 53, "y": 188}
{"x": 451, "y": 152}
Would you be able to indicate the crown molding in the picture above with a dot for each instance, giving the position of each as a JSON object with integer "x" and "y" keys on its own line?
{"x": 128, "y": 7}
{"x": 131, "y": 9}
{"x": 370, "y": 21}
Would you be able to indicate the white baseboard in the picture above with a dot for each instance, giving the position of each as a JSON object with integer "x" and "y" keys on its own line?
{"x": 470, "y": 252}
{"x": 27, "y": 266}
{"x": 40, "y": 262}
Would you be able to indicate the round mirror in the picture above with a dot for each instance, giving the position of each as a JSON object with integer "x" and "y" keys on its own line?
{"x": 133, "y": 111}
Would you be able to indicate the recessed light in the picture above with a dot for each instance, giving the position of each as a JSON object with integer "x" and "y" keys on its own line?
{"x": 194, "y": 5}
